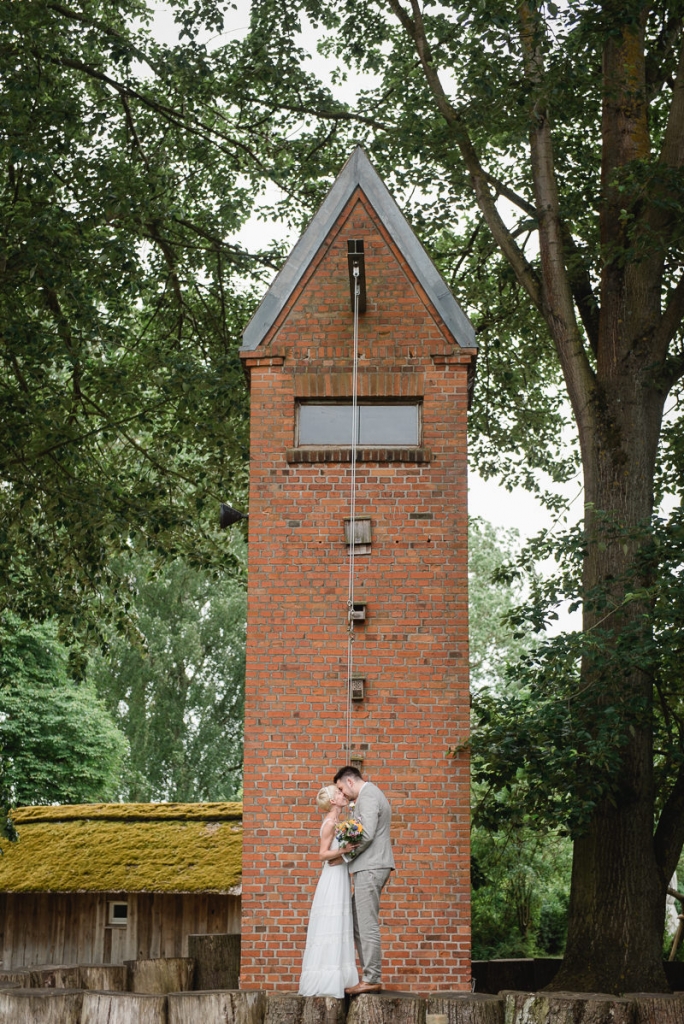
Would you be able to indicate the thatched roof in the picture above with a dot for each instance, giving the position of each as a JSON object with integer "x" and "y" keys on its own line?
{"x": 125, "y": 848}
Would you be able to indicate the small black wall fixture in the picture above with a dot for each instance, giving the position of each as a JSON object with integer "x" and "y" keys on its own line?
{"x": 355, "y": 258}
{"x": 229, "y": 515}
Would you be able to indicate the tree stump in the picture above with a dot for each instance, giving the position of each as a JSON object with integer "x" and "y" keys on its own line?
{"x": 567, "y": 1008}
{"x": 56, "y": 977}
{"x": 123, "y": 1008}
{"x": 217, "y": 960}
{"x": 21, "y": 977}
{"x": 656, "y": 1008}
{"x": 286, "y": 1008}
{"x": 104, "y": 977}
{"x": 207, "y": 1007}
{"x": 466, "y": 1007}
{"x": 159, "y": 976}
{"x": 387, "y": 1008}
{"x": 40, "y": 1006}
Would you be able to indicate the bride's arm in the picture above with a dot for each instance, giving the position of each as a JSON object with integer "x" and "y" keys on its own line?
{"x": 324, "y": 851}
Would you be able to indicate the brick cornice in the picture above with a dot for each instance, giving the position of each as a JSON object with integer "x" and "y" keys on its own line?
{"x": 396, "y": 384}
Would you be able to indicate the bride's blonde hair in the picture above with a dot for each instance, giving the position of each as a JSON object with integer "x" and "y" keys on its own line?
{"x": 324, "y": 798}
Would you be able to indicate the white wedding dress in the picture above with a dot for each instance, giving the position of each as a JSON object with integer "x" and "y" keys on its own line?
{"x": 329, "y": 964}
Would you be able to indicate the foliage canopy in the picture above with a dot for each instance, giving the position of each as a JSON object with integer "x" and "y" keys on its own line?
{"x": 59, "y": 744}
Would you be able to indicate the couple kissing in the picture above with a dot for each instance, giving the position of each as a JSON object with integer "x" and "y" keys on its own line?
{"x": 354, "y": 849}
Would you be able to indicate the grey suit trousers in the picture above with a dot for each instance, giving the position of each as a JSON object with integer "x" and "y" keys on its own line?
{"x": 368, "y": 884}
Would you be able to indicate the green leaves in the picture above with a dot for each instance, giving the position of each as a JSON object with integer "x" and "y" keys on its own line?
{"x": 58, "y": 743}
{"x": 123, "y": 408}
{"x": 177, "y": 690}
{"x": 568, "y": 708}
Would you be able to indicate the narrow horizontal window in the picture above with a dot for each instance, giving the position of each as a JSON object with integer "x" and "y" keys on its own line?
{"x": 330, "y": 423}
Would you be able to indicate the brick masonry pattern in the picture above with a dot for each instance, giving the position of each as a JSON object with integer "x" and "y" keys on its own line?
{"x": 413, "y": 648}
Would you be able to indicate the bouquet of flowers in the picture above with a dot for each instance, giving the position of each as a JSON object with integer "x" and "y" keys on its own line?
{"x": 349, "y": 832}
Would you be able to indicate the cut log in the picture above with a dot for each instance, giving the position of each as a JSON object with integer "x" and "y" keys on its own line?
{"x": 652, "y": 1008}
{"x": 387, "y": 1008}
{"x": 61, "y": 976}
{"x": 287, "y": 1008}
{"x": 466, "y": 1008}
{"x": 209, "y": 1007}
{"x": 104, "y": 977}
{"x": 159, "y": 976}
{"x": 40, "y": 1006}
{"x": 567, "y": 1008}
{"x": 122, "y": 1008}
{"x": 217, "y": 960}
{"x": 21, "y": 977}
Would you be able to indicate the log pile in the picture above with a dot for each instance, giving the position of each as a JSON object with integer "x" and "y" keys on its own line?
{"x": 283, "y": 1008}
{"x": 388, "y": 1008}
{"x": 40, "y": 1006}
{"x": 102, "y": 994}
{"x": 465, "y": 1008}
{"x": 206, "y": 1007}
{"x": 217, "y": 960}
{"x": 122, "y": 1008}
{"x": 161, "y": 975}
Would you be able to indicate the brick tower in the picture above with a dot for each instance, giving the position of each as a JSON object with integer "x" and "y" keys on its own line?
{"x": 415, "y": 368}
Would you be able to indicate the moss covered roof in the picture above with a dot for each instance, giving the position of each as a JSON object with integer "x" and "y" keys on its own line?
{"x": 125, "y": 848}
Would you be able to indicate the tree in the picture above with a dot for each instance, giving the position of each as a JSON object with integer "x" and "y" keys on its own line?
{"x": 178, "y": 694}
{"x": 127, "y": 171}
{"x": 520, "y": 873}
{"x": 59, "y": 744}
{"x": 495, "y": 646}
{"x": 521, "y": 883}
{"x": 547, "y": 143}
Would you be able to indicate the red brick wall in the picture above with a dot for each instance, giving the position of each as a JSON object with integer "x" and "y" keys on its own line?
{"x": 413, "y": 648}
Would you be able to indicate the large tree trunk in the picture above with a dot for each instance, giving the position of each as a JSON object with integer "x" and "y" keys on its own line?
{"x": 617, "y": 900}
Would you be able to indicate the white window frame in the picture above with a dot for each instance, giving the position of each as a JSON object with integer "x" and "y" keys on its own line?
{"x": 117, "y": 922}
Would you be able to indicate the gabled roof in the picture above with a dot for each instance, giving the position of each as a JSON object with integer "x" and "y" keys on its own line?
{"x": 358, "y": 172}
{"x": 125, "y": 848}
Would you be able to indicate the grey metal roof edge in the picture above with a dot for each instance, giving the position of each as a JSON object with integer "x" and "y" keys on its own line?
{"x": 358, "y": 172}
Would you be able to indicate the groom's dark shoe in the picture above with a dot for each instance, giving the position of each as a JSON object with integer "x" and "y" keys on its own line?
{"x": 363, "y": 986}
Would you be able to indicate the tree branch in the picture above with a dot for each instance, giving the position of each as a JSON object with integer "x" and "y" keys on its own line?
{"x": 173, "y": 116}
{"x": 82, "y": 19}
{"x": 669, "y": 833}
{"x": 670, "y": 323}
{"x": 582, "y": 290}
{"x": 659, "y": 63}
{"x": 509, "y": 193}
{"x": 337, "y": 115}
{"x": 131, "y": 125}
{"x": 163, "y": 470}
{"x": 558, "y": 299}
{"x": 672, "y": 153}
{"x": 235, "y": 251}
{"x": 523, "y": 270}
{"x": 580, "y": 282}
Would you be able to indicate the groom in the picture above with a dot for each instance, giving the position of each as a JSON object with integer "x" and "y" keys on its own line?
{"x": 370, "y": 868}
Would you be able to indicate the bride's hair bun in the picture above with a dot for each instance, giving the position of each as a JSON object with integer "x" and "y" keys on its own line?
{"x": 324, "y": 798}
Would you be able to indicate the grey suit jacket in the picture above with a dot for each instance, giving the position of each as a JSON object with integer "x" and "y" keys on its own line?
{"x": 375, "y": 814}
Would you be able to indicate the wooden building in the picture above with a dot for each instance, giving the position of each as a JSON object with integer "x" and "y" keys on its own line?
{"x": 104, "y": 883}
{"x": 407, "y": 701}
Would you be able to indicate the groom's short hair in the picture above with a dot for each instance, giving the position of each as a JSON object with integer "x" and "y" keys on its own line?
{"x": 348, "y": 769}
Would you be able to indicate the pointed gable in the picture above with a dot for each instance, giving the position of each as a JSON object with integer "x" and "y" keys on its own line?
{"x": 358, "y": 174}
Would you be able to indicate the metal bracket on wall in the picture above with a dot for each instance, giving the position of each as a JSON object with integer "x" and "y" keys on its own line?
{"x": 355, "y": 258}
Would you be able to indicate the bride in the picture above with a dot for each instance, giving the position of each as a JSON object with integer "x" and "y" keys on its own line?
{"x": 329, "y": 960}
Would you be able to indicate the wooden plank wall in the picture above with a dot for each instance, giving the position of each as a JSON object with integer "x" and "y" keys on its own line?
{"x": 69, "y": 928}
